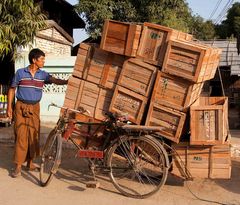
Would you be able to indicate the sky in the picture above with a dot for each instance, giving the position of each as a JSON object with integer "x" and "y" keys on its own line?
{"x": 204, "y": 8}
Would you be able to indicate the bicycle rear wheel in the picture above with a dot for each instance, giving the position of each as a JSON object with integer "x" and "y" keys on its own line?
{"x": 51, "y": 157}
{"x": 137, "y": 165}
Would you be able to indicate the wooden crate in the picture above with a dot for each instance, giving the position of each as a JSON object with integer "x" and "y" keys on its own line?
{"x": 84, "y": 55}
{"x": 174, "y": 92}
{"x": 125, "y": 101}
{"x": 72, "y": 92}
{"x": 79, "y": 135}
{"x": 104, "y": 68}
{"x": 193, "y": 61}
{"x": 96, "y": 130}
{"x": 98, "y": 66}
{"x": 202, "y": 161}
{"x": 137, "y": 76}
{"x": 154, "y": 40}
{"x": 209, "y": 118}
{"x": 88, "y": 95}
{"x": 169, "y": 122}
{"x": 120, "y": 37}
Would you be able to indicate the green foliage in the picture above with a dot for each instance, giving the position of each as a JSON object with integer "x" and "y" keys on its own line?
{"x": 230, "y": 26}
{"x": 172, "y": 20}
{"x": 203, "y": 30}
{"x": 172, "y": 13}
{"x": 19, "y": 22}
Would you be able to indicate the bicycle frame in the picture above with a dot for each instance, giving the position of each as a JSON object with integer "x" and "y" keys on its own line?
{"x": 108, "y": 124}
{"x": 125, "y": 151}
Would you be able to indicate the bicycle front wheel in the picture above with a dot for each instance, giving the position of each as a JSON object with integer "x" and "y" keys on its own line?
{"x": 137, "y": 165}
{"x": 51, "y": 157}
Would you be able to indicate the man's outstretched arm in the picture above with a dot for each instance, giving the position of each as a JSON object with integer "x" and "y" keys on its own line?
{"x": 57, "y": 81}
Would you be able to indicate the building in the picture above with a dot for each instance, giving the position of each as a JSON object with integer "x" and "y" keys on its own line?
{"x": 230, "y": 78}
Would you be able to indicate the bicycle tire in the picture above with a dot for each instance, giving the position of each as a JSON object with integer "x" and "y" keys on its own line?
{"x": 125, "y": 156}
{"x": 51, "y": 157}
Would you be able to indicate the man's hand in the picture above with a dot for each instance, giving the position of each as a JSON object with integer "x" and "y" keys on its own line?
{"x": 11, "y": 93}
{"x": 58, "y": 81}
{"x": 9, "y": 112}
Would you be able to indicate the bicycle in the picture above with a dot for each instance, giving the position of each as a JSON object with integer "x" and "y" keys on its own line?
{"x": 137, "y": 163}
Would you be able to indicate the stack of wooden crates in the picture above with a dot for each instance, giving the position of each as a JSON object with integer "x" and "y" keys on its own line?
{"x": 155, "y": 75}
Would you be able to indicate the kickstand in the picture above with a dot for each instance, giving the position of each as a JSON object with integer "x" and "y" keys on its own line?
{"x": 93, "y": 183}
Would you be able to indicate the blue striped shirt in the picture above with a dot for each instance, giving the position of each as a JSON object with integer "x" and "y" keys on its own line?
{"x": 29, "y": 88}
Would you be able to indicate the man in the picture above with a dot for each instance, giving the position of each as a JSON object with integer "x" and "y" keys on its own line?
{"x": 28, "y": 83}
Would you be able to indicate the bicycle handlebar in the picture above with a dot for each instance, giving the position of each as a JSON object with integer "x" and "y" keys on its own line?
{"x": 82, "y": 110}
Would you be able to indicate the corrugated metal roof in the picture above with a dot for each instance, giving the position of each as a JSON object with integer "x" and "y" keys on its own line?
{"x": 229, "y": 56}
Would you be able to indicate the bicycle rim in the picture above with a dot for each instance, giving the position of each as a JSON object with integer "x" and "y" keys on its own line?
{"x": 137, "y": 166}
{"x": 51, "y": 157}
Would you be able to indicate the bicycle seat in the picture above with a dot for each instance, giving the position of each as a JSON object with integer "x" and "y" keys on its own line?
{"x": 141, "y": 128}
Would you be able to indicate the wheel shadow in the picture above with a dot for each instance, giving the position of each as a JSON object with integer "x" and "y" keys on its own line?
{"x": 74, "y": 170}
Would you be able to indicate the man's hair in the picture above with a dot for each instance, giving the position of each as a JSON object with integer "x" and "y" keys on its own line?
{"x": 35, "y": 54}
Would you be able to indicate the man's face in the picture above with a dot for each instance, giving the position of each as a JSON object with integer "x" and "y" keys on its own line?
{"x": 39, "y": 62}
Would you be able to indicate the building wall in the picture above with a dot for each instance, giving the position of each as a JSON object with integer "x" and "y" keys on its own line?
{"x": 52, "y": 32}
{"x": 54, "y": 43}
{"x": 53, "y": 48}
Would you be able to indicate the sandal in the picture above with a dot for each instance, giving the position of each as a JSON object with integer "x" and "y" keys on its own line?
{"x": 16, "y": 173}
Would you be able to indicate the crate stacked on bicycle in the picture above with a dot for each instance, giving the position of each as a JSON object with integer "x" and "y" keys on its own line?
{"x": 151, "y": 72}
{"x": 155, "y": 75}
{"x": 94, "y": 80}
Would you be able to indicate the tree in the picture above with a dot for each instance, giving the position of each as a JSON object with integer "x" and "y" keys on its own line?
{"x": 230, "y": 26}
{"x": 19, "y": 22}
{"x": 203, "y": 30}
{"x": 172, "y": 13}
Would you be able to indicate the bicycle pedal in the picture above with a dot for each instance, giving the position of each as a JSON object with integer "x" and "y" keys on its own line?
{"x": 93, "y": 184}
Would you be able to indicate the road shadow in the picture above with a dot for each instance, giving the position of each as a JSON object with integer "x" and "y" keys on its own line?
{"x": 233, "y": 184}
{"x": 7, "y": 146}
{"x": 6, "y": 135}
{"x": 173, "y": 180}
{"x": 74, "y": 170}
{"x": 6, "y": 162}
{"x": 6, "y": 157}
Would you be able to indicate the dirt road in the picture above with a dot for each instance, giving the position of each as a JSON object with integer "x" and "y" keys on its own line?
{"x": 68, "y": 187}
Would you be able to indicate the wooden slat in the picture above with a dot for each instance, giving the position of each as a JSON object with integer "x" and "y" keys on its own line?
{"x": 170, "y": 122}
{"x": 192, "y": 61}
{"x": 98, "y": 66}
{"x": 125, "y": 101}
{"x": 154, "y": 40}
{"x": 207, "y": 121}
{"x": 203, "y": 161}
{"x": 82, "y": 61}
{"x": 88, "y": 95}
{"x": 174, "y": 92}
{"x": 120, "y": 37}
{"x": 137, "y": 76}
